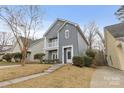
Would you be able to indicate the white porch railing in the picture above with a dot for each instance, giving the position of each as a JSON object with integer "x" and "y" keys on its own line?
{"x": 52, "y": 45}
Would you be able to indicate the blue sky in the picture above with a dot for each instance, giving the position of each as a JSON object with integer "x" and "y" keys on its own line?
{"x": 103, "y": 15}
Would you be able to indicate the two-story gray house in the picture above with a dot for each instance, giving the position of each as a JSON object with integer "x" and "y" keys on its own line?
{"x": 63, "y": 40}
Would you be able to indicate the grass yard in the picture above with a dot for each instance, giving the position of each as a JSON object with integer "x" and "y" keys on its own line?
{"x": 28, "y": 69}
{"x": 66, "y": 77}
{"x": 8, "y": 63}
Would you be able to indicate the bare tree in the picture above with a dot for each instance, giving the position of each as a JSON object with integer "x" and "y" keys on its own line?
{"x": 6, "y": 38}
{"x": 120, "y": 13}
{"x": 22, "y": 20}
{"x": 99, "y": 41}
{"x": 90, "y": 33}
{"x": 101, "y": 37}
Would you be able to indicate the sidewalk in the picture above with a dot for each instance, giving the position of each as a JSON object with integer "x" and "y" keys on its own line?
{"x": 17, "y": 80}
{"x": 10, "y": 66}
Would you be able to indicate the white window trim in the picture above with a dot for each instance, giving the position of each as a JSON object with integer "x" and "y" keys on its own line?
{"x": 66, "y": 35}
{"x": 63, "y": 52}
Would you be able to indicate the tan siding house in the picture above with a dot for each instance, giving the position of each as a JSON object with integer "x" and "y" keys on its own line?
{"x": 114, "y": 43}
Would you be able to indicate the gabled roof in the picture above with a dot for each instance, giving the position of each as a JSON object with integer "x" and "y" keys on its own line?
{"x": 5, "y": 48}
{"x": 36, "y": 41}
{"x": 31, "y": 42}
{"x": 52, "y": 26}
{"x": 117, "y": 30}
{"x": 64, "y": 23}
{"x": 120, "y": 39}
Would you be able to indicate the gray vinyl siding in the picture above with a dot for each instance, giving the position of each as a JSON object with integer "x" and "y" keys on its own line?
{"x": 53, "y": 31}
{"x": 36, "y": 48}
{"x": 82, "y": 46}
{"x": 72, "y": 40}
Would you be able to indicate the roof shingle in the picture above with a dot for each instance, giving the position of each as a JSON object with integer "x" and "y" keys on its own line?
{"x": 116, "y": 30}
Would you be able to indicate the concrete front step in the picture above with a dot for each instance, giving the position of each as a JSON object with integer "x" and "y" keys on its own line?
{"x": 55, "y": 67}
{"x": 48, "y": 71}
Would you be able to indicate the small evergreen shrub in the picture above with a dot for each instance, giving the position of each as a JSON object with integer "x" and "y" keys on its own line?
{"x": 87, "y": 61}
{"x": 48, "y": 61}
{"x": 90, "y": 53}
{"x": 17, "y": 56}
{"x": 8, "y": 57}
{"x": 39, "y": 56}
{"x": 78, "y": 61}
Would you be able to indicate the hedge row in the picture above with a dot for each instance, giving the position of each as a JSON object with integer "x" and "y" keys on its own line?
{"x": 86, "y": 60}
{"x": 39, "y": 56}
{"x": 8, "y": 57}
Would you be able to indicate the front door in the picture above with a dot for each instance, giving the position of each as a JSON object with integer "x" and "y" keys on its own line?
{"x": 68, "y": 55}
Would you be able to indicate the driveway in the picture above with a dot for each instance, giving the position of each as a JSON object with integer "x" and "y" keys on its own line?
{"x": 107, "y": 77}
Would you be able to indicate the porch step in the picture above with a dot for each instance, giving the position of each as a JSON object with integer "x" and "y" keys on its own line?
{"x": 53, "y": 68}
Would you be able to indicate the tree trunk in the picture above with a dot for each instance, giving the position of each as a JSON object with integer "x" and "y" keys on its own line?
{"x": 90, "y": 46}
{"x": 41, "y": 60}
{"x": 23, "y": 60}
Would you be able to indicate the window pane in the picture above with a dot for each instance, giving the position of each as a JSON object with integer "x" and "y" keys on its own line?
{"x": 69, "y": 55}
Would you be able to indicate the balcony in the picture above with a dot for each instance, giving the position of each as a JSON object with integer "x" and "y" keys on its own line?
{"x": 52, "y": 45}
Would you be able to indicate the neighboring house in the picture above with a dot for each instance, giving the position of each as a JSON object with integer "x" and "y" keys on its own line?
{"x": 4, "y": 49}
{"x": 63, "y": 40}
{"x": 35, "y": 46}
{"x": 114, "y": 43}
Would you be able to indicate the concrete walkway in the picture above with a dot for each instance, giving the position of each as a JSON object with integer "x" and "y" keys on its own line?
{"x": 10, "y": 66}
{"x": 17, "y": 80}
{"x": 107, "y": 77}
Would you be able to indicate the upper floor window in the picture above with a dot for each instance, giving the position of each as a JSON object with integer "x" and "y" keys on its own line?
{"x": 66, "y": 34}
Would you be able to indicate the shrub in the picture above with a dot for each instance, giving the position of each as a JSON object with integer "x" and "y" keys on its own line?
{"x": 8, "y": 57}
{"x": 90, "y": 53}
{"x": 51, "y": 61}
{"x": 87, "y": 61}
{"x": 17, "y": 56}
{"x": 39, "y": 56}
{"x": 1, "y": 60}
{"x": 78, "y": 61}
